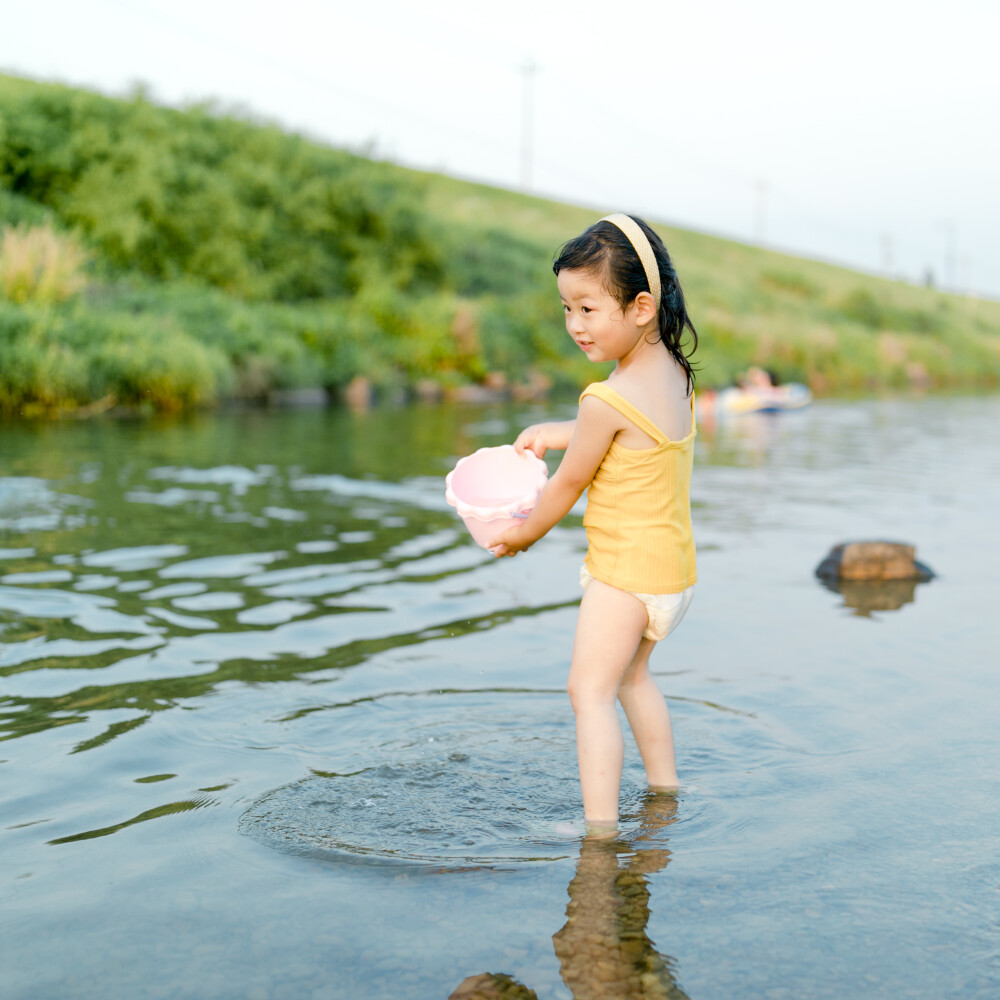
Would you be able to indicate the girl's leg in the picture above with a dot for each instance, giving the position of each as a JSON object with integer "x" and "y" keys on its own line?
{"x": 608, "y": 634}
{"x": 649, "y": 718}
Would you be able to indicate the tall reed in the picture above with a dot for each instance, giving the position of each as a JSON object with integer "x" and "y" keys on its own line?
{"x": 38, "y": 264}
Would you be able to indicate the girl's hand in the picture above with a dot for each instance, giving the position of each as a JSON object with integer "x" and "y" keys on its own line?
{"x": 512, "y": 541}
{"x": 532, "y": 439}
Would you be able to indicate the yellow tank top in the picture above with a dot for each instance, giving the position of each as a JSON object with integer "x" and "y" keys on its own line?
{"x": 638, "y": 517}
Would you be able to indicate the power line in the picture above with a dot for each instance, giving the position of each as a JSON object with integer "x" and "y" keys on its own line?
{"x": 766, "y": 198}
{"x": 294, "y": 71}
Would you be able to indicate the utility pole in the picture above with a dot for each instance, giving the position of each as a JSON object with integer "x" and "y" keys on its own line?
{"x": 951, "y": 255}
{"x": 528, "y": 70}
{"x": 886, "y": 241}
{"x": 948, "y": 276}
{"x": 965, "y": 279}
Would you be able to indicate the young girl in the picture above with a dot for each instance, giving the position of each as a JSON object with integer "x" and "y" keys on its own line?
{"x": 631, "y": 444}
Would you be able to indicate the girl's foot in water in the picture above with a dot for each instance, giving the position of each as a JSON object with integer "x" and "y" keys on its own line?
{"x": 665, "y": 789}
{"x": 602, "y": 829}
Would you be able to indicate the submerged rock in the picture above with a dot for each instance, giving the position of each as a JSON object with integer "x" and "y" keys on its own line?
{"x": 873, "y": 561}
{"x": 873, "y": 576}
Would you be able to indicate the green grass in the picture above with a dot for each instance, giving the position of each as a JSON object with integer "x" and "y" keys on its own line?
{"x": 223, "y": 258}
{"x": 833, "y": 328}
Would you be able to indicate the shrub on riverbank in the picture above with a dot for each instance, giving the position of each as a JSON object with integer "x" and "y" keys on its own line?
{"x": 245, "y": 207}
{"x": 229, "y": 259}
{"x": 53, "y": 360}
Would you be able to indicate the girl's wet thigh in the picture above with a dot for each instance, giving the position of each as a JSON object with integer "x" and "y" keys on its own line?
{"x": 608, "y": 633}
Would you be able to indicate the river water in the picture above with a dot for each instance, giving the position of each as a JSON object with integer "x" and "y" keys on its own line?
{"x": 271, "y": 725}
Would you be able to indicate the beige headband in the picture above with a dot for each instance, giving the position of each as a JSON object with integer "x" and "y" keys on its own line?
{"x": 639, "y": 240}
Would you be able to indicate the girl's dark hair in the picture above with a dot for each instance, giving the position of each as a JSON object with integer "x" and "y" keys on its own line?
{"x": 605, "y": 250}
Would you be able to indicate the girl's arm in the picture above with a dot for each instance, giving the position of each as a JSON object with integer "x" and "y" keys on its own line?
{"x": 540, "y": 437}
{"x": 595, "y": 428}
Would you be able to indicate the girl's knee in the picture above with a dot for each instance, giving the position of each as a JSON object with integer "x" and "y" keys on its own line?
{"x": 585, "y": 693}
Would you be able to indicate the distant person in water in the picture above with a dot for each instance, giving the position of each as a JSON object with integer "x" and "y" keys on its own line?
{"x": 631, "y": 444}
{"x": 757, "y": 378}
{"x": 755, "y": 383}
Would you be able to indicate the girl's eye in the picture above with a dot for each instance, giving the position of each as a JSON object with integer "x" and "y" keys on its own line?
{"x": 585, "y": 309}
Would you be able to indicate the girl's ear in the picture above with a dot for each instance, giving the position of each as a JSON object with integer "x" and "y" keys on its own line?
{"x": 645, "y": 308}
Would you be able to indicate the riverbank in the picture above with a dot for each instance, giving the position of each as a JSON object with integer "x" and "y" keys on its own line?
{"x": 183, "y": 259}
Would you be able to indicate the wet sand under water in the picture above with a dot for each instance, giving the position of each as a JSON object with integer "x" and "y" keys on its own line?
{"x": 273, "y": 726}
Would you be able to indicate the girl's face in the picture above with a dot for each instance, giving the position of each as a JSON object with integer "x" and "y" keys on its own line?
{"x": 594, "y": 319}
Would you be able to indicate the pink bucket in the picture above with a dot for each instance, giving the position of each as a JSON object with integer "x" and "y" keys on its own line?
{"x": 494, "y": 489}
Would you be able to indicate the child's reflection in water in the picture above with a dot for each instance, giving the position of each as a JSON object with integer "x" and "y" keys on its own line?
{"x": 603, "y": 949}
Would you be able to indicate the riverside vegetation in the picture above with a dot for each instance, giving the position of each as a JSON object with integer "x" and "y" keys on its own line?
{"x": 168, "y": 259}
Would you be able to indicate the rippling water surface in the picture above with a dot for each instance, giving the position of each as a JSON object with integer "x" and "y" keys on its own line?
{"x": 271, "y": 725}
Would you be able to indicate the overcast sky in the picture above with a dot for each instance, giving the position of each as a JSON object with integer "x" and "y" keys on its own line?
{"x": 863, "y": 131}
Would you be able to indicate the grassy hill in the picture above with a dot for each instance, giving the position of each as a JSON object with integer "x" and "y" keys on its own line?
{"x": 831, "y": 327}
{"x": 170, "y": 259}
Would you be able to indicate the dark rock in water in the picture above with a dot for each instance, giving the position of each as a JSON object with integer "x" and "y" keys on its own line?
{"x": 873, "y": 576}
{"x": 872, "y": 561}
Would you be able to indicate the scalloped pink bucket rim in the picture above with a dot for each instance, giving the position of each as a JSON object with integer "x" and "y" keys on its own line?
{"x": 490, "y": 487}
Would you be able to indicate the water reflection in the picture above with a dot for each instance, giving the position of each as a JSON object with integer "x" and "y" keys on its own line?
{"x": 866, "y": 596}
{"x": 604, "y": 950}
